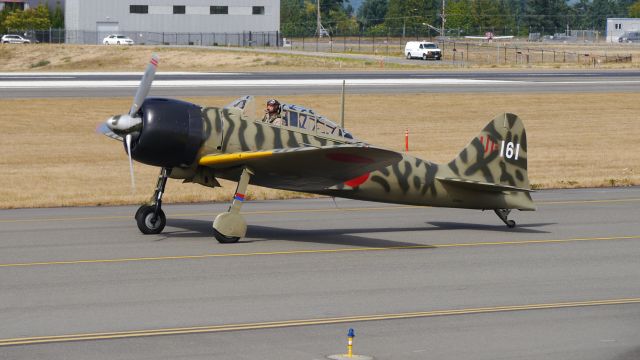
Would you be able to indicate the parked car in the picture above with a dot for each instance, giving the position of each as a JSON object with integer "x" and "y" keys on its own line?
{"x": 630, "y": 37}
{"x": 116, "y": 39}
{"x": 15, "y": 39}
{"x": 422, "y": 49}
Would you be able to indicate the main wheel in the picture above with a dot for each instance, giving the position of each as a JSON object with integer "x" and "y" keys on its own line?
{"x": 146, "y": 222}
{"x": 223, "y": 239}
{"x": 408, "y": 56}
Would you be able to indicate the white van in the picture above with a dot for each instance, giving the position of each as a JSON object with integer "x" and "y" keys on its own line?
{"x": 422, "y": 49}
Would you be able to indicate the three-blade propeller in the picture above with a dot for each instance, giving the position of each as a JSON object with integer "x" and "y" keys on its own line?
{"x": 124, "y": 127}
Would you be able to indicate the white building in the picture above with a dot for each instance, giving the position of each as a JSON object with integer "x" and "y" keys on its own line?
{"x": 174, "y": 21}
{"x": 616, "y": 27}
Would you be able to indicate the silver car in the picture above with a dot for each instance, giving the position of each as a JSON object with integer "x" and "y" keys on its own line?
{"x": 630, "y": 37}
{"x": 15, "y": 39}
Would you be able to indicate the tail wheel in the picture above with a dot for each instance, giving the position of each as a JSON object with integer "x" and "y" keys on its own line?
{"x": 148, "y": 222}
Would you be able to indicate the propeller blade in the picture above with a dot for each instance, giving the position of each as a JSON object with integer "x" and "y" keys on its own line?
{"x": 145, "y": 85}
{"x": 104, "y": 130}
{"x": 133, "y": 181}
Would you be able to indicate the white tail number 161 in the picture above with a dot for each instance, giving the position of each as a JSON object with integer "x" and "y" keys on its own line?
{"x": 508, "y": 150}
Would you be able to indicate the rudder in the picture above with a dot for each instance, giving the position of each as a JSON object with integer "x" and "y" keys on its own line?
{"x": 498, "y": 155}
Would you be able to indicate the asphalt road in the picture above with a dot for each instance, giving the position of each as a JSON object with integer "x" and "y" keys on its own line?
{"x": 20, "y": 85}
{"x": 415, "y": 283}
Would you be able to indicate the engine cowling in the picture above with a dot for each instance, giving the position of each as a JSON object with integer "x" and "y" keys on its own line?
{"x": 171, "y": 134}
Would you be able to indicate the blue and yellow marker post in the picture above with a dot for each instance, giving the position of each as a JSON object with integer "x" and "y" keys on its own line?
{"x": 350, "y": 337}
{"x": 349, "y": 355}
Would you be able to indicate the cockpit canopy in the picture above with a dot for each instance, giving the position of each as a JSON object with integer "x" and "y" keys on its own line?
{"x": 296, "y": 116}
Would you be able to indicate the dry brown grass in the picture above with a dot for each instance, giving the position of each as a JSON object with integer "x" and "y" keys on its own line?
{"x": 51, "y": 155}
{"x": 45, "y": 57}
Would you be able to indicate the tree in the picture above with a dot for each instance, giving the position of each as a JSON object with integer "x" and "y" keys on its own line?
{"x": 31, "y": 19}
{"x": 372, "y": 12}
{"x": 600, "y": 10}
{"x": 459, "y": 16}
{"x": 411, "y": 15}
{"x": 634, "y": 10}
{"x": 57, "y": 18}
{"x": 295, "y": 19}
{"x": 546, "y": 16}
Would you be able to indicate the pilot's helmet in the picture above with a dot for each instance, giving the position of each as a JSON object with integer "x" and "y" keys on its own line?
{"x": 274, "y": 102}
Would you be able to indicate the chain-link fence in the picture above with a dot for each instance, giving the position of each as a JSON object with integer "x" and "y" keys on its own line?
{"x": 457, "y": 50}
{"x": 240, "y": 39}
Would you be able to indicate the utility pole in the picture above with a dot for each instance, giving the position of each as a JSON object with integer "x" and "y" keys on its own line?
{"x": 319, "y": 25}
{"x": 443, "y": 20}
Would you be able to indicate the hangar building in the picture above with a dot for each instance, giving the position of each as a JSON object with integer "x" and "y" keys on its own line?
{"x": 616, "y": 27}
{"x": 88, "y": 21}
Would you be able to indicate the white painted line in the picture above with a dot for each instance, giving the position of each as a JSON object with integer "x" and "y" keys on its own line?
{"x": 35, "y": 77}
{"x": 121, "y": 73}
{"x": 244, "y": 83}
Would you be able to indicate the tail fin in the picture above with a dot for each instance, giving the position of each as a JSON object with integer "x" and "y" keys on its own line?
{"x": 496, "y": 159}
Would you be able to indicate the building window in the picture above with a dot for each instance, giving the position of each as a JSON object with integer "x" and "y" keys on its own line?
{"x": 219, "y": 10}
{"x": 258, "y": 10}
{"x": 179, "y": 9}
{"x": 139, "y": 9}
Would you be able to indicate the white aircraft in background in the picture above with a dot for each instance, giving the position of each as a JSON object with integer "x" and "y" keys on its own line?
{"x": 489, "y": 36}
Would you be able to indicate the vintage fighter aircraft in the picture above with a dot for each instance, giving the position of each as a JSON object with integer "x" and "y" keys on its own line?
{"x": 489, "y": 36}
{"x": 310, "y": 154}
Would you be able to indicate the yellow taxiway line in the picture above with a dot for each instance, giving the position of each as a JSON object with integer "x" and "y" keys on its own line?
{"x": 307, "y": 322}
{"x": 297, "y": 211}
{"x": 323, "y": 251}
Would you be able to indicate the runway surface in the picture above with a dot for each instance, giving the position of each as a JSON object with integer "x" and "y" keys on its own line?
{"x": 415, "y": 283}
{"x": 20, "y": 85}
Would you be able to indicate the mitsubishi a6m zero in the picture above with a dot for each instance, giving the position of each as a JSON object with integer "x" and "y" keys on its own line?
{"x": 309, "y": 153}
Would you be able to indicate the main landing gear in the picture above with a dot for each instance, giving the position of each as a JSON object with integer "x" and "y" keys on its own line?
{"x": 150, "y": 217}
{"x": 229, "y": 227}
{"x": 503, "y": 214}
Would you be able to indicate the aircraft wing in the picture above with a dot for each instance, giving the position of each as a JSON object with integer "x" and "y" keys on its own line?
{"x": 477, "y": 37}
{"x": 305, "y": 168}
{"x": 503, "y": 37}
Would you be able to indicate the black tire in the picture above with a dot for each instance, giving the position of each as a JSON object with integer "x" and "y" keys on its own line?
{"x": 424, "y": 56}
{"x": 511, "y": 224}
{"x": 145, "y": 214}
{"x": 140, "y": 209}
{"x": 223, "y": 239}
{"x": 408, "y": 56}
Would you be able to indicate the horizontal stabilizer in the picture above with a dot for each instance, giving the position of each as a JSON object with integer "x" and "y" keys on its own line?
{"x": 481, "y": 186}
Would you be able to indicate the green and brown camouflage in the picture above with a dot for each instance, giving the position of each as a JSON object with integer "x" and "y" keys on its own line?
{"x": 309, "y": 153}
{"x": 490, "y": 173}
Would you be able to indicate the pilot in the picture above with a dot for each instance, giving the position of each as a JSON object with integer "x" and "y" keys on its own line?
{"x": 272, "y": 113}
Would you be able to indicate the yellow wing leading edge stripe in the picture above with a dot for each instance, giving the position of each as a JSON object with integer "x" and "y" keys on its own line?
{"x": 210, "y": 160}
